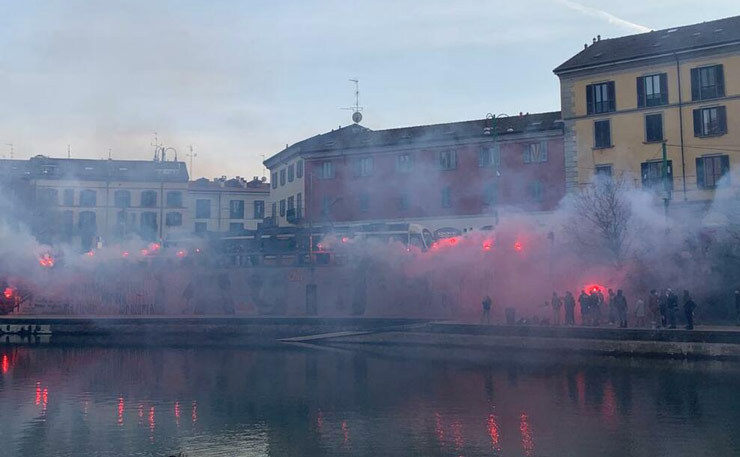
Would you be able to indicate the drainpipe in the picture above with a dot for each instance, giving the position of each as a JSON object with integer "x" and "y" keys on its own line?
{"x": 680, "y": 122}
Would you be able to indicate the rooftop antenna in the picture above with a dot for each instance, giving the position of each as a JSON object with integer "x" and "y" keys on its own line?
{"x": 157, "y": 146}
{"x": 11, "y": 149}
{"x": 110, "y": 151}
{"x": 69, "y": 152}
{"x": 356, "y": 115}
{"x": 191, "y": 155}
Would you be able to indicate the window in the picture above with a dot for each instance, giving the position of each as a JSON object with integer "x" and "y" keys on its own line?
{"x": 327, "y": 170}
{"x": 299, "y": 169}
{"x": 299, "y": 205}
{"x": 652, "y": 90}
{"x": 707, "y": 82}
{"x": 148, "y": 199}
{"x": 68, "y": 225}
{"x": 274, "y": 180}
{"x": 203, "y": 208}
{"x": 88, "y": 198}
{"x": 403, "y": 163}
{"x": 148, "y": 224}
{"x": 291, "y": 204}
{"x": 364, "y": 202}
{"x": 403, "y": 202}
{"x": 325, "y": 206}
{"x": 710, "y": 121}
{"x": 536, "y": 190}
{"x": 69, "y": 197}
{"x": 490, "y": 194}
{"x": 282, "y": 177}
{"x": 236, "y": 209}
{"x": 201, "y": 228}
{"x": 364, "y": 166}
{"x": 535, "y": 152}
{"x": 652, "y": 174}
{"x": 709, "y": 170}
{"x": 87, "y": 223}
{"x": 282, "y": 208}
{"x": 448, "y": 159}
{"x": 604, "y": 171}
{"x": 446, "y": 197}
{"x": 49, "y": 197}
{"x": 236, "y": 227}
{"x": 654, "y": 128}
{"x": 602, "y": 134}
{"x": 291, "y": 172}
{"x": 489, "y": 156}
{"x": 259, "y": 209}
{"x": 122, "y": 198}
{"x": 274, "y": 211}
{"x": 174, "y": 199}
{"x": 600, "y": 98}
{"x": 173, "y": 219}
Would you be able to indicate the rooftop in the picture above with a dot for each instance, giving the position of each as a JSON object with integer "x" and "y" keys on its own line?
{"x": 655, "y": 43}
{"x": 223, "y": 184}
{"x": 357, "y": 137}
{"x": 42, "y": 167}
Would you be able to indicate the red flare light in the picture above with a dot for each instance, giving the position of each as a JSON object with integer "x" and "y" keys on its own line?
{"x": 144, "y": 252}
{"x": 154, "y": 247}
{"x": 90, "y": 253}
{"x": 593, "y": 288}
{"x": 124, "y": 254}
{"x": 320, "y": 246}
{"x": 435, "y": 245}
{"x": 487, "y": 245}
{"x": 181, "y": 253}
{"x": 46, "y": 261}
{"x": 452, "y": 240}
{"x": 8, "y": 293}
{"x": 518, "y": 246}
{"x": 344, "y": 239}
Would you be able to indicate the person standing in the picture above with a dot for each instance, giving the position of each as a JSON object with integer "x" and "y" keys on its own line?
{"x": 672, "y": 305}
{"x": 640, "y": 313}
{"x": 486, "y": 310}
{"x": 663, "y": 308}
{"x": 688, "y": 309}
{"x": 620, "y": 302}
{"x": 654, "y": 308}
{"x": 570, "y": 306}
{"x": 556, "y": 304}
{"x": 612, "y": 308}
{"x": 584, "y": 300}
{"x": 597, "y": 299}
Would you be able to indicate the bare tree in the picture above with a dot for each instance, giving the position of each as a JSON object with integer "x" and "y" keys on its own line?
{"x": 603, "y": 217}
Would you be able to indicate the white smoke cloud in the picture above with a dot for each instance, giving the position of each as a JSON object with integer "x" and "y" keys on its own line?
{"x": 610, "y": 18}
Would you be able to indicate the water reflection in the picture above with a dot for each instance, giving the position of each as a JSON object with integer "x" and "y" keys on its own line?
{"x": 284, "y": 401}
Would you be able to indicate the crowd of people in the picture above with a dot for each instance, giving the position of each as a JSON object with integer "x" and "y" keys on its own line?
{"x": 659, "y": 311}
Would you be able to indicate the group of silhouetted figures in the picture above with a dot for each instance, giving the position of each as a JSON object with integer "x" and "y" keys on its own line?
{"x": 660, "y": 310}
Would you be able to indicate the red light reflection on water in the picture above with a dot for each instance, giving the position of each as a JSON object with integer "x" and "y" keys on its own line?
{"x": 6, "y": 363}
{"x": 151, "y": 421}
{"x": 121, "y": 408}
{"x": 493, "y": 431}
{"x": 526, "y": 431}
{"x": 439, "y": 429}
{"x": 457, "y": 436}
{"x": 141, "y": 411}
{"x": 194, "y": 415}
{"x": 38, "y": 393}
{"x": 345, "y": 432}
{"x": 319, "y": 420}
{"x": 177, "y": 413}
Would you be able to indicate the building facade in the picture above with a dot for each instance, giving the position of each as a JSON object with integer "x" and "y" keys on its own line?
{"x": 623, "y": 98}
{"x": 447, "y": 175}
{"x": 227, "y": 205}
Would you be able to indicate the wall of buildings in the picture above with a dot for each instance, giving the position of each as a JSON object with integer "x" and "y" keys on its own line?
{"x": 287, "y": 190}
{"x": 227, "y": 205}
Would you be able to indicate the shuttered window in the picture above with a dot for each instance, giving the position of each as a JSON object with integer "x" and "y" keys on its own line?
{"x": 709, "y": 170}
{"x": 652, "y": 90}
{"x": 707, "y": 82}
{"x": 600, "y": 98}
{"x": 710, "y": 121}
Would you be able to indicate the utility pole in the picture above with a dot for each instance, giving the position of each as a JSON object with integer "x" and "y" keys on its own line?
{"x": 190, "y": 155}
{"x": 666, "y": 183}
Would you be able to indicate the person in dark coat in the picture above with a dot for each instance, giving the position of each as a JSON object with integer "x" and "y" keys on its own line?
{"x": 663, "y": 308}
{"x": 570, "y": 306}
{"x": 688, "y": 309}
{"x": 556, "y": 304}
{"x": 654, "y": 308}
{"x": 620, "y": 303}
{"x": 486, "y": 315}
{"x": 672, "y": 305}
{"x": 597, "y": 299}
{"x": 584, "y": 300}
{"x": 613, "y": 314}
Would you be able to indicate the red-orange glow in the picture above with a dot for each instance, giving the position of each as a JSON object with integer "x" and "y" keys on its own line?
{"x": 144, "y": 252}
{"x": 6, "y": 364}
{"x": 45, "y": 397}
{"x": 457, "y": 436}
{"x": 518, "y": 246}
{"x": 181, "y": 253}
{"x": 125, "y": 254}
{"x": 320, "y": 246}
{"x": 90, "y": 253}
{"x": 435, "y": 245}
{"x": 177, "y": 413}
{"x": 493, "y": 431}
{"x": 9, "y": 292}
{"x": 439, "y": 429}
{"x": 151, "y": 419}
{"x": 526, "y": 431}
{"x": 319, "y": 420}
{"x": 194, "y": 415}
{"x": 487, "y": 246}
{"x": 121, "y": 408}
{"x": 46, "y": 261}
{"x": 593, "y": 288}
{"x": 452, "y": 241}
{"x": 345, "y": 432}
{"x": 344, "y": 239}
{"x": 38, "y": 393}
{"x": 154, "y": 247}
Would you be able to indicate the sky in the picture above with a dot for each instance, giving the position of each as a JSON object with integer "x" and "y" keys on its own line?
{"x": 238, "y": 80}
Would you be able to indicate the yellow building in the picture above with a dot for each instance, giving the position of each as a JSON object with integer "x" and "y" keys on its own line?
{"x": 623, "y": 97}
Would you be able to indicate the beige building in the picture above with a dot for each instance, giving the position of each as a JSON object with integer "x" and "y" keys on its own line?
{"x": 227, "y": 205}
{"x": 91, "y": 201}
{"x": 287, "y": 186}
{"x": 623, "y": 98}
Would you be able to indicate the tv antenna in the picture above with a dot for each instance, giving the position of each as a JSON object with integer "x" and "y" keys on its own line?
{"x": 356, "y": 114}
{"x": 191, "y": 155}
{"x": 157, "y": 147}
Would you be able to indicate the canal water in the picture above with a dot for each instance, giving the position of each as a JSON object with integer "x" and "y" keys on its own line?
{"x": 305, "y": 401}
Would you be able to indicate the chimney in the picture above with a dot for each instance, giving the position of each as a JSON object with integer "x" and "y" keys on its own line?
{"x": 594, "y": 41}
{"x": 598, "y": 37}
{"x": 585, "y": 45}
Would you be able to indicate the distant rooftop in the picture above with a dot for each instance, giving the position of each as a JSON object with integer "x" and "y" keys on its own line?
{"x": 42, "y": 167}
{"x": 237, "y": 184}
{"x": 355, "y": 136}
{"x": 655, "y": 43}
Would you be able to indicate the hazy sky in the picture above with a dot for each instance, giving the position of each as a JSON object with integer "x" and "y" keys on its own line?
{"x": 240, "y": 79}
